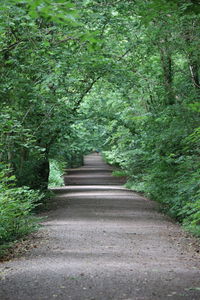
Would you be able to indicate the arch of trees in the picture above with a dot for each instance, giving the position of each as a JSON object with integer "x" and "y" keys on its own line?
{"x": 122, "y": 76}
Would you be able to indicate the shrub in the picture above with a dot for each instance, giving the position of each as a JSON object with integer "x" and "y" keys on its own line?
{"x": 16, "y": 206}
{"x": 191, "y": 217}
{"x": 56, "y": 172}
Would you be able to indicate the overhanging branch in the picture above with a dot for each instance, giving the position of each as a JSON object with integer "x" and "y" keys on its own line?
{"x": 90, "y": 86}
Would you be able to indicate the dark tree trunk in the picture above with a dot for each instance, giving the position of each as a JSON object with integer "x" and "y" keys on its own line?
{"x": 43, "y": 174}
{"x": 194, "y": 71}
{"x": 166, "y": 61}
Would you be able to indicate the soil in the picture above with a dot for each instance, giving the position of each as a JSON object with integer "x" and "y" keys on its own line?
{"x": 104, "y": 242}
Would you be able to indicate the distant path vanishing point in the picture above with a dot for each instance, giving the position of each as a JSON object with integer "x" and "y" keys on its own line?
{"x": 104, "y": 242}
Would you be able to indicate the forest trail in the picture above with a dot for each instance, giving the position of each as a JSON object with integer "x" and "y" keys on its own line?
{"x": 104, "y": 242}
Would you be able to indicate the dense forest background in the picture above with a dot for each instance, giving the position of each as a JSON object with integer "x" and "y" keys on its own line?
{"x": 119, "y": 76}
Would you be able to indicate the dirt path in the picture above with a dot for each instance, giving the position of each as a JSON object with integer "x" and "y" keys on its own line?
{"x": 104, "y": 242}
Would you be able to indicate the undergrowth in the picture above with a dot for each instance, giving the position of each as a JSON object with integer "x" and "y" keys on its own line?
{"x": 17, "y": 204}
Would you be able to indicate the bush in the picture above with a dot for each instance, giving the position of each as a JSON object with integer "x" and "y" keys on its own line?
{"x": 191, "y": 217}
{"x": 16, "y": 206}
{"x": 56, "y": 172}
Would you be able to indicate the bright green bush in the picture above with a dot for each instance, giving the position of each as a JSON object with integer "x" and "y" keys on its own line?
{"x": 56, "y": 172}
{"x": 16, "y": 207}
{"x": 191, "y": 213}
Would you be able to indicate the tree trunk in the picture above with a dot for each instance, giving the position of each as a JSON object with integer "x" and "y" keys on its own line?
{"x": 166, "y": 61}
{"x": 43, "y": 174}
{"x": 194, "y": 71}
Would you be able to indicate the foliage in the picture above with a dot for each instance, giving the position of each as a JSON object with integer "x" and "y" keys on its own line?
{"x": 56, "y": 172}
{"x": 191, "y": 214}
{"x": 41, "y": 86}
{"x": 16, "y": 206}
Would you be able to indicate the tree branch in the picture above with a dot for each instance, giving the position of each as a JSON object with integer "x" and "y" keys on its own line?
{"x": 90, "y": 86}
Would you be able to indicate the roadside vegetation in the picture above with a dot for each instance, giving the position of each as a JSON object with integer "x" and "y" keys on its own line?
{"x": 56, "y": 173}
{"x": 119, "y": 76}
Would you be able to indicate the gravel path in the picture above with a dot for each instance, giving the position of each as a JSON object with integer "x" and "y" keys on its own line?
{"x": 104, "y": 242}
